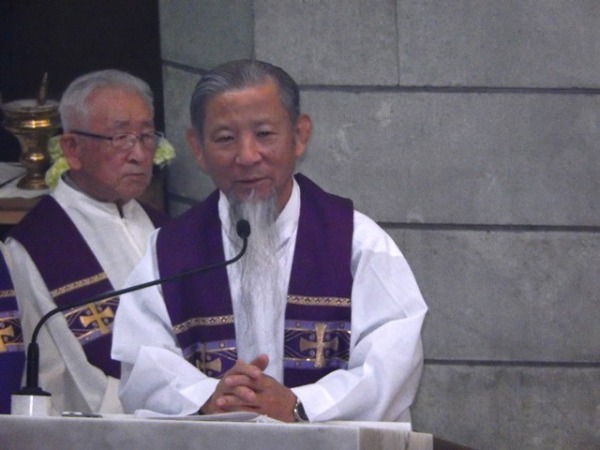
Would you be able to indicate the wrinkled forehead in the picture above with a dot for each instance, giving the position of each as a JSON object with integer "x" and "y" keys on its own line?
{"x": 118, "y": 108}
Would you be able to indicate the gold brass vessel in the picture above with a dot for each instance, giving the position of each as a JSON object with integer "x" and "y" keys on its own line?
{"x": 33, "y": 122}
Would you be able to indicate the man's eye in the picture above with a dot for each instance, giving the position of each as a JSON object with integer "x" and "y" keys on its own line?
{"x": 120, "y": 138}
{"x": 223, "y": 138}
{"x": 265, "y": 133}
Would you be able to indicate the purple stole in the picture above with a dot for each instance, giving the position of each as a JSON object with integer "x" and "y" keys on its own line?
{"x": 318, "y": 311}
{"x": 72, "y": 273}
{"x": 12, "y": 354}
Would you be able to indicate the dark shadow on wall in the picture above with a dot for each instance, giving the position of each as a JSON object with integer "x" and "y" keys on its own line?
{"x": 68, "y": 38}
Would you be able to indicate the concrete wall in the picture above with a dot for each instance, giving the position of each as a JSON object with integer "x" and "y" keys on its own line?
{"x": 469, "y": 130}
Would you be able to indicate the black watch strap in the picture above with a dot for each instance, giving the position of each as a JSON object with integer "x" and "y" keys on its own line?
{"x": 299, "y": 413}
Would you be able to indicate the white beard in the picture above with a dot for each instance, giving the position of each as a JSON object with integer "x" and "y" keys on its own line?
{"x": 259, "y": 311}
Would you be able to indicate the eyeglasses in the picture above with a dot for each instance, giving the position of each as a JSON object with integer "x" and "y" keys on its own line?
{"x": 125, "y": 141}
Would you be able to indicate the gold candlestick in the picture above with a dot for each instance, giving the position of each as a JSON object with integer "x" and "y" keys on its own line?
{"x": 33, "y": 122}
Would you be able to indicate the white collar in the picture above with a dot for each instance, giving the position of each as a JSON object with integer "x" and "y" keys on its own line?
{"x": 73, "y": 198}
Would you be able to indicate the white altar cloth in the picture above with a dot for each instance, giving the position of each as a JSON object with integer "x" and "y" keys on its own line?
{"x": 129, "y": 432}
{"x": 10, "y": 175}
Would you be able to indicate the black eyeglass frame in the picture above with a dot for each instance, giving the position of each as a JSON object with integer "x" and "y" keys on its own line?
{"x": 139, "y": 138}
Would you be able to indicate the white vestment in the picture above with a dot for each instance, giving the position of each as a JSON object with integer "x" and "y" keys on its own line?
{"x": 386, "y": 356}
{"x": 118, "y": 242}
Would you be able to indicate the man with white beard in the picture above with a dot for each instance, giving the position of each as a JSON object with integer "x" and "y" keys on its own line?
{"x": 320, "y": 320}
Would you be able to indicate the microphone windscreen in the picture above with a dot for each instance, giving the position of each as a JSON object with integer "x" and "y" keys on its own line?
{"x": 243, "y": 228}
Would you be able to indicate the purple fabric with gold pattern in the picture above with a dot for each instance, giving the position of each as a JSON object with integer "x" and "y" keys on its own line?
{"x": 317, "y": 334}
{"x": 73, "y": 278}
{"x": 12, "y": 354}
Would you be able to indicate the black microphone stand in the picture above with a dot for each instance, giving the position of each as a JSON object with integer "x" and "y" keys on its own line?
{"x": 33, "y": 353}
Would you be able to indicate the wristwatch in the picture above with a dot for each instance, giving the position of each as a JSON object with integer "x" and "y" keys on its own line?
{"x": 299, "y": 413}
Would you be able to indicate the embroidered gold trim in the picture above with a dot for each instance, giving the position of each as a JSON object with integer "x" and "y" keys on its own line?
{"x": 78, "y": 284}
{"x": 311, "y": 360}
{"x": 343, "y": 328}
{"x": 216, "y": 351}
{"x": 77, "y": 310}
{"x": 202, "y": 322}
{"x": 319, "y": 301}
{"x": 7, "y": 293}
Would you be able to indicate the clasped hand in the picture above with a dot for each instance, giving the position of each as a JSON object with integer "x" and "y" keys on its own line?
{"x": 245, "y": 387}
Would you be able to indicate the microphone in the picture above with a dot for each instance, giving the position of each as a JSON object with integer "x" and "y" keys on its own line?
{"x": 242, "y": 228}
{"x": 32, "y": 388}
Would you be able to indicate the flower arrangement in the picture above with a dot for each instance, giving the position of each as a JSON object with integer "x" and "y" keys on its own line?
{"x": 163, "y": 156}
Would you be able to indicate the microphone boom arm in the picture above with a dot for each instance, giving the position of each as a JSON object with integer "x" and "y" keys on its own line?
{"x": 32, "y": 371}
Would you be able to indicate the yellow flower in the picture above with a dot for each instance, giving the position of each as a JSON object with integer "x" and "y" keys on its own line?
{"x": 55, "y": 171}
{"x": 163, "y": 156}
{"x": 54, "y": 149}
{"x": 165, "y": 152}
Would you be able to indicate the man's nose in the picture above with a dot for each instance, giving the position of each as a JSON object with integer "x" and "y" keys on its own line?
{"x": 139, "y": 152}
{"x": 248, "y": 151}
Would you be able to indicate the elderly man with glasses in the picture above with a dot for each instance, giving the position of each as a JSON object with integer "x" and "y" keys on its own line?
{"x": 87, "y": 235}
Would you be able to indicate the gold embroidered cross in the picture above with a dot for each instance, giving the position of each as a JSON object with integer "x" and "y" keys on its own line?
{"x": 204, "y": 365}
{"x": 319, "y": 344}
{"x": 97, "y": 316}
{"x": 7, "y": 331}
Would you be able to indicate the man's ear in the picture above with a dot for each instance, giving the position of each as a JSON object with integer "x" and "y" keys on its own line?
{"x": 303, "y": 132}
{"x": 71, "y": 150}
{"x": 195, "y": 145}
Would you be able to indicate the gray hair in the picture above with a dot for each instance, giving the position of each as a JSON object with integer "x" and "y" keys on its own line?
{"x": 73, "y": 108}
{"x": 240, "y": 74}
